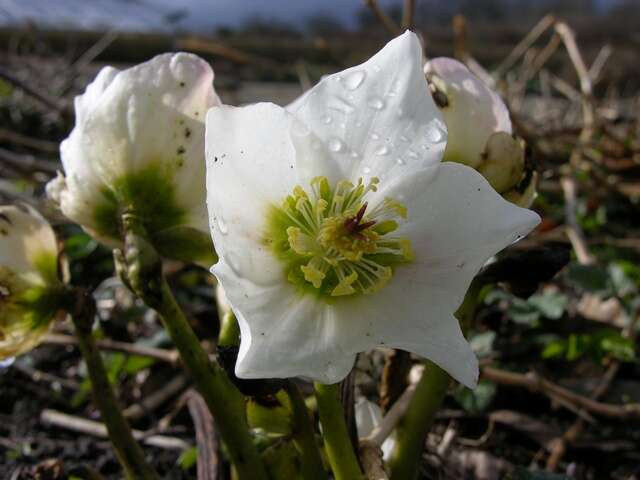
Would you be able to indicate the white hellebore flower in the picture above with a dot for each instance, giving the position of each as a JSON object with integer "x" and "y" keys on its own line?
{"x": 138, "y": 146}
{"x": 480, "y": 131}
{"x": 339, "y": 229}
{"x": 29, "y": 279}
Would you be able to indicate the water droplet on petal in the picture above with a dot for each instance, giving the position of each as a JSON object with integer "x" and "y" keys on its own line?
{"x": 382, "y": 150}
{"x": 336, "y": 145}
{"x": 354, "y": 154}
{"x": 376, "y": 103}
{"x": 412, "y": 154}
{"x": 343, "y": 125}
{"x": 374, "y": 136}
{"x": 354, "y": 79}
{"x": 434, "y": 135}
{"x": 326, "y": 119}
{"x": 400, "y": 161}
{"x": 366, "y": 170}
{"x": 404, "y": 139}
{"x": 222, "y": 226}
{"x": 376, "y": 68}
{"x": 424, "y": 146}
{"x": 400, "y": 113}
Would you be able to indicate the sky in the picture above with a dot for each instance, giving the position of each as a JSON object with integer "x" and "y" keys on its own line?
{"x": 199, "y": 15}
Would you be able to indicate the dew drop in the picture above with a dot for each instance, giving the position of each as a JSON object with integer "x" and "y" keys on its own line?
{"x": 354, "y": 79}
{"x": 222, "y": 226}
{"x": 343, "y": 126}
{"x": 358, "y": 124}
{"x": 400, "y": 161}
{"x": 336, "y": 145}
{"x": 382, "y": 150}
{"x": 434, "y": 135}
{"x": 366, "y": 170}
{"x": 376, "y": 103}
{"x": 374, "y": 136}
{"x": 412, "y": 154}
{"x": 400, "y": 113}
{"x": 326, "y": 119}
{"x": 404, "y": 139}
{"x": 354, "y": 154}
{"x": 376, "y": 68}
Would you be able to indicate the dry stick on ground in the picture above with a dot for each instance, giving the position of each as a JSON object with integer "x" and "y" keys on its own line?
{"x": 27, "y": 163}
{"x": 536, "y": 383}
{"x": 29, "y": 142}
{"x": 525, "y": 44}
{"x": 47, "y": 101}
{"x": 381, "y": 15}
{"x": 154, "y": 400}
{"x": 576, "y": 236}
{"x": 160, "y": 354}
{"x": 206, "y": 438}
{"x": 97, "y": 429}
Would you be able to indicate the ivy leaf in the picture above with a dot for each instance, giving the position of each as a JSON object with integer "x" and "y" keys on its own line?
{"x": 550, "y": 304}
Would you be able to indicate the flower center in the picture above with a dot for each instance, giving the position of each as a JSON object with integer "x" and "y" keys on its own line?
{"x": 335, "y": 245}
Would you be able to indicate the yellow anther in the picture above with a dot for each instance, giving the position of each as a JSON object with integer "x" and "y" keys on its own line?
{"x": 299, "y": 192}
{"x": 299, "y": 242}
{"x": 312, "y": 275}
{"x": 344, "y": 286}
{"x": 385, "y": 227}
{"x": 407, "y": 251}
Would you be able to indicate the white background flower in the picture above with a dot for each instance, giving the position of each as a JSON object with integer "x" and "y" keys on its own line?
{"x": 139, "y": 141}
{"x": 374, "y": 120}
{"x": 28, "y": 259}
{"x": 472, "y": 113}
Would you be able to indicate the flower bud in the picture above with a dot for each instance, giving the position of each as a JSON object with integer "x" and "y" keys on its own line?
{"x": 138, "y": 147}
{"x": 479, "y": 129}
{"x": 30, "y": 287}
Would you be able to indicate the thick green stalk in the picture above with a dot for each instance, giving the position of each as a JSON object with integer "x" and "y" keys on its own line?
{"x": 304, "y": 437}
{"x": 225, "y": 402}
{"x": 413, "y": 427}
{"x": 141, "y": 268}
{"x": 127, "y": 450}
{"x": 342, "y": 458}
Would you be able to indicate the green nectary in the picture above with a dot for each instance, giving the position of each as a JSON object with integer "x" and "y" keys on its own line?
{"x": 149, "y": 192}
{"x": 331, "y": 244}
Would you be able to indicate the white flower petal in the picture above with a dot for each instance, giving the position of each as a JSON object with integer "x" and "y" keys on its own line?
{"x": 25, "y": 239}
{"x": 473, "y": 112}
{"x": 256, "y": 155}
{"x": 377, "y": 119}
{"x": 148, "y": 115}
{"x": 283, "y": 334}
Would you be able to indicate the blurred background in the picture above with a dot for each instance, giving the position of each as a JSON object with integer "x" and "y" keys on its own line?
{"x": 563, "y": 309}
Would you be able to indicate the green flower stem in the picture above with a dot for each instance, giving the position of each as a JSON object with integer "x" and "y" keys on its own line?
{"x": 128, "y": 451}
{"x": 141, "y": 268}
{"x": 225, "y": 402}
{"x": 414, "y": 426}
{"x": 304, "y": 436}
{"x": 342, "y": 458}
{"x": 427, "y": 399}
{"x": 229, "y": 331}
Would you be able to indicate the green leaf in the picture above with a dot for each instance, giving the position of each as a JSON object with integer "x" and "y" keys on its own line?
{"x": 523, "y": 312}
{"x": 590, "y": 278}
{"x": 482, "y": 343}
{"x": 613, "y": 343}
{"x": 550, "y": 304}
{"x": 555, "y": 349}
{"x": 475, "y": 401}
{"x": 136, "y": 363}
{"x": 188, "y": 458}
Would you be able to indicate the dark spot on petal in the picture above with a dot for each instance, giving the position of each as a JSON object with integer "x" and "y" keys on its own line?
{"x": 182, "y": 84}
{"x": 187, "y": 132}
{"x": 5, "y": 218}
{"x": 181, "y": 150}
